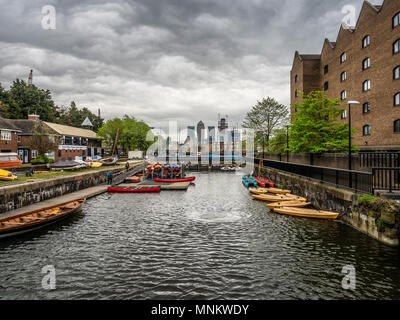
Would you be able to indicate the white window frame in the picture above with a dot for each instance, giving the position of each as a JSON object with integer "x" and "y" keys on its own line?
{"x": 344, "y": 114}
{"x": 6, "y": 135}
{"x": 343, "y": 57}
{"x": 34, "y": 154}
{"x": 343, "y": 95}
{"x": 396, "y": 73}
{"x": 366, "y": 86}
{"x": 396, "y": 46}
{"x": 396, "y": 20}
{"x": 343, "y": 76}
{"x": 363, "y": 107}
{"x": 368, "y": 133}
{"x": 366, "y": 41}
{"x": 368, "y": 65}
{"x": 396, "y": 99}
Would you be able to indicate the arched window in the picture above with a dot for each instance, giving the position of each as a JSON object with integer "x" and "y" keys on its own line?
{"x": 396, "y": 46}
{"x": 366, "y": 85}
{"x": 326, "y": 86}
{"x": 367, "y": 130}
{"x": 396, "y": 99}
{"x": 366, "y": 41}
{"x": 343, "y": 57}
{"x": 343, "y": 95}
{"x": 296, "y": 78}
{"x": 396, "y": 73}
{"x": 366, "y": 63}
{"x": 296, "y": 93}
{"x": 366, "y": 107}
{"x": 344, "y": 114}
{"x": 397, "y": 126}
{"x": 343, "y": 76}
{"x": 396, "y": 20}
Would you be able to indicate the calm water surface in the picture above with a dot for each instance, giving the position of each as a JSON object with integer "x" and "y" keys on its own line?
{"x": 210, "y": 242}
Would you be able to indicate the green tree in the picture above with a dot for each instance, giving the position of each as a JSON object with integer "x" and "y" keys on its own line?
{"x": 278, "y": 144}
{"x": 265, "y": 117}
{"x": 315, "y": 128}
{"x": 23, "y": 99}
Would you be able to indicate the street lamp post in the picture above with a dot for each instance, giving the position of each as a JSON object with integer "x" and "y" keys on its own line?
{"x": 350, "y": 103}
{"x": 287, "y": 143}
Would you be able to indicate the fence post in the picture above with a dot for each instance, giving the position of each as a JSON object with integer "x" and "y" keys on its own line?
{"x": 390, "y": 181}
{"x": 337, "y": 177}
{"x": 373, "y": 181}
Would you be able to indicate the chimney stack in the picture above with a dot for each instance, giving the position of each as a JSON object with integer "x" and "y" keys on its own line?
{"x": 33, "y": 117}
{"x": 30, "y": 78}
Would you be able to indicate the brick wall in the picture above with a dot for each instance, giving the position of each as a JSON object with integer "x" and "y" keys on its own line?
{"x": 378, "y": 25}
{"x": 12, "y": 145}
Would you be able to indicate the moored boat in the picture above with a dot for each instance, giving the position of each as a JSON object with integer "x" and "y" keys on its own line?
{"x": 95, "y": 164}
{"x": 175, "y": 180}
{"x": 307, "y": 213}
{"x": 294, "y": 203}
{"x": 258, "y": 190}
{"x": 278, "y": 191}
{"x": 133, "y": 190}
{"x": 277, "y": 198}
{"x": 7, "y": 175}
{"x": 259, "y": 182}
{"x": 36, "y": 219}
{"x": 133, "y": 179}
{"x": 268, "y": 183}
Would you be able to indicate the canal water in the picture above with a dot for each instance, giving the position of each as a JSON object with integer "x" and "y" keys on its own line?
{"x": 210, "y": 242}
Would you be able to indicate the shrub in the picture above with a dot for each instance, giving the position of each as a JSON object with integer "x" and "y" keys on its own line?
{"x": 41, "y": 159}
{"x": 367, "y": 199}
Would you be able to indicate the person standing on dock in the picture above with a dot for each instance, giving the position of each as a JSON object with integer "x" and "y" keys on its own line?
{"x": 109, "y": 177}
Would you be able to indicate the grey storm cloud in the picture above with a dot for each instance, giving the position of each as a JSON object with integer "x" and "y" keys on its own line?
{"x": 164, "y": 60}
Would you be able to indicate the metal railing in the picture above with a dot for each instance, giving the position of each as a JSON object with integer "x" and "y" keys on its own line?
{"x": 356, "y": 180}
{"x": 386, "y": 179}
{"x": 379, "y": 159}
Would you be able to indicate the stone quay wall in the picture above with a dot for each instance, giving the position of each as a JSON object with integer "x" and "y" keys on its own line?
{"x": 376, "y": 217}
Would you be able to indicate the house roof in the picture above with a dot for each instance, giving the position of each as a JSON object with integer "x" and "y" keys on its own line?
{"x": 7, "y": 124}
{"x": 310, "y": 56}
{"x": 29, "y": 127}
{"x": 72, "y": 131}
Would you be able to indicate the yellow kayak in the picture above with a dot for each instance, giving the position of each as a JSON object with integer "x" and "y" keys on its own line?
{"x": 7, "y": 175}
{"x": 295, "y": 203}
{"x": 278, "y": 191}
{"x": 96, "y": 164}
{"x": 307, "y": 213}
{"x": 277, "y": 197}
{"x": 258, "y": 190}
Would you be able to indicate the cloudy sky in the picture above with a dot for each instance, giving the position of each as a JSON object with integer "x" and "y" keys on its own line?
{"x": 163, "y": 60}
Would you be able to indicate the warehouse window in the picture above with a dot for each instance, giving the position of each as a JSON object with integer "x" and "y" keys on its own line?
{"x": 343, "y": 95}
{"x": 367, "y": 130}
{"x": 366, "y": 85}
{"x": 396, "y": 73}
{"x": 326, "y": 86}
{"x": 366, "y": 63}
{"x": 397, "y": 126}
{"x": 366, "y": 107}
{"x": 296, "y": 94}
{"x": 366, "y": 41}
{"x": 396, "y": 46}
{"x": 343, "y": 57}
{"x": 326, "y": 69}
{"x": 397, "y": 99}
{"x": 343, "y": 76}
{"x": 296, "y": 78}
{"x": 396, "y": 20}
{"x": 34, "y": 154}
{"x": 344, "y": 114}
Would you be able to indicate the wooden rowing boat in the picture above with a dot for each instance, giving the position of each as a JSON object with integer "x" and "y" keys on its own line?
{"x": 307, "y": 213}
{"x": 294, "y": 203}
{"x": 40, "y": 218}
{"x": 176, "y": 180}
{"x": 277, "y": 197}
{"x": 7, "y": 175}
{"x": 134, "y": 190}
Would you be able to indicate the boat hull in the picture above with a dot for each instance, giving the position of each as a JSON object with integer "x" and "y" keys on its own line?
{"x": 138, "y": 190}
{"x": 175, "y": 180}
{"x": 35, "y": 225}
{"x": 307, "y": 213}
{"x": 295, "y": 204}
{"x": 277, "y": 198}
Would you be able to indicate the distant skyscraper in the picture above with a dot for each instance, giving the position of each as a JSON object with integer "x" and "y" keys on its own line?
{"x": 200, "y": 134}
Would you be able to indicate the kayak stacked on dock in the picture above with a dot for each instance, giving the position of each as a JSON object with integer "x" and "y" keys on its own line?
{"x": 282, "y": 201}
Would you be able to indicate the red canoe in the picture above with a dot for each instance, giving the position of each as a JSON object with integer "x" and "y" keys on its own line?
{"x": 267, "y": 181}
{"x": 131, "y": 190}
{"x": 176, "y": 180}
{"x": 260, "y": 183}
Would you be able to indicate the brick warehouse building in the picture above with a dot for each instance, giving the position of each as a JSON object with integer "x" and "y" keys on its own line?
{"x": 363, "y": 65}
